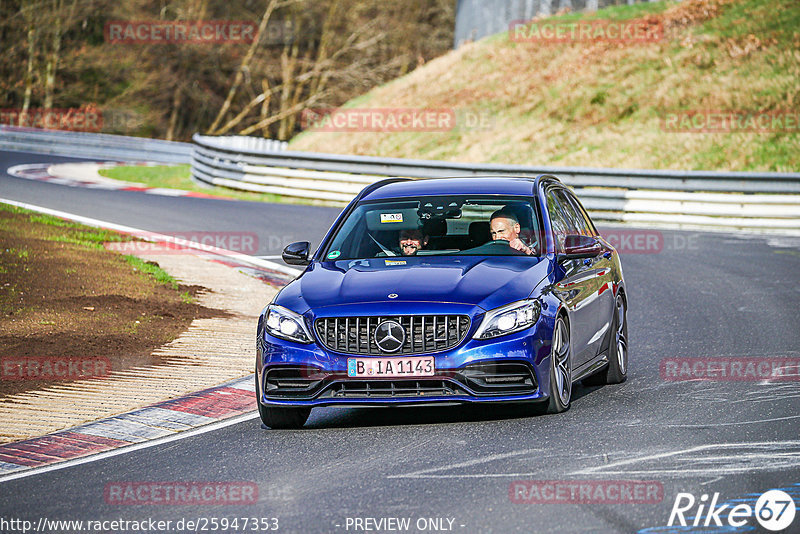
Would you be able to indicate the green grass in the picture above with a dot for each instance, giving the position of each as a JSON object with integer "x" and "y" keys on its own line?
{"x": 615, "y": 13}
{"x": 75, "y": 233}
{"x": 601, "y": 104}
{"x": 180, "y": 177}
{"x": 12, "y": 209}
{"x": 167, "y": 176}
{"x": 148, "y": 268}
{"x": 760, "y": 18}
{"x": 49, "y": 220}
{"x": 21, "y": 254}
{"x": 86, "y": 236}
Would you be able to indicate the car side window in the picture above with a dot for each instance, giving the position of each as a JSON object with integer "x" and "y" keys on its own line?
{"x": 573, "y": 214}
{"x": 581, "y": 211}
{"x": 561, "y": 225}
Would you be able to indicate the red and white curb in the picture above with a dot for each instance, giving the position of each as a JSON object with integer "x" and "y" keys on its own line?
{"x": 160, "y": 420}
{"x": 39, "y": 172}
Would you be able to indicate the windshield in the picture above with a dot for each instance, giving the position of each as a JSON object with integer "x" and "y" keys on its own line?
{"x": 439, "y": 226}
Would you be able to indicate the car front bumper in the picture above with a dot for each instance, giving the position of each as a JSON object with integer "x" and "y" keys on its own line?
{"x": 513, "y": 368}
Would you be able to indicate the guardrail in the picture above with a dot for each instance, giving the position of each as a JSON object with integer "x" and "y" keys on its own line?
{"x": 684, "y": 199}
{"x": 94, "y": 145}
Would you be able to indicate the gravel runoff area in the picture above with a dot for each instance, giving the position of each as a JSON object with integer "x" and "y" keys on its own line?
{"x": 212, "y": 351}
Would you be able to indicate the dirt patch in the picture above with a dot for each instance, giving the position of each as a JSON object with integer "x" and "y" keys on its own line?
{"x": 64, "y": 297}
{"x": 691, "y": 12}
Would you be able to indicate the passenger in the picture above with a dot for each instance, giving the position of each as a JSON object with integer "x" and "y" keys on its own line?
{"x": 411, "y": 241}
{"x": 505, "y": 225}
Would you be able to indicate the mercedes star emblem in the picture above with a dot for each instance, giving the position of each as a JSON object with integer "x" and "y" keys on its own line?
{"x": 390, "y": 336}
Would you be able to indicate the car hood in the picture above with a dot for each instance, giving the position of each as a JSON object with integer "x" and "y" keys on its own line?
{"x": 486, "y": 282}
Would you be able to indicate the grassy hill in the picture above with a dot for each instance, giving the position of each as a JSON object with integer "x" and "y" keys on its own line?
{"x": 602, "y": 103}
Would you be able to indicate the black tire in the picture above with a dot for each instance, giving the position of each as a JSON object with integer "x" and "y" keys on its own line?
{"x": 281, "y": 418}
{"x": 560, "y": 369}
{"x": 616, "y": 371}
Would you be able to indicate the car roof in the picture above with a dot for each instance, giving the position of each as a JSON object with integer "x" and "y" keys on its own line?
{"x": 473, "y": 185}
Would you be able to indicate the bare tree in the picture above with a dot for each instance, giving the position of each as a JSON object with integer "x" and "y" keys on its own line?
{"x": 55, "y": 54}
{"x": 304, "y": 77}
{"x": 26, "y": 103}
{"x": 197, "y": 9}
{"x": 62, "y": 19}
{"x": 271, "y": 6}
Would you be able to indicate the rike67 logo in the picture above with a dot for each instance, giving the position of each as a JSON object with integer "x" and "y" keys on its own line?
{"x": 774, "y": 511}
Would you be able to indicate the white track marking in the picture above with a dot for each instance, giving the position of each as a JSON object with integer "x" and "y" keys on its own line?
{"x": 738, "y": 458}
{"x": 732, "y": 423}
{"x": 423, "y": 473}
{"x": 752, "y": 457}
{"x": 130, "y": 448}
{"x": 658, "y": 456}
{"x": 152, "y": 236}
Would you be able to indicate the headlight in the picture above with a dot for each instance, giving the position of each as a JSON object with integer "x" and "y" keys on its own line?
{"x": 286, "y": 324}
{"x": 508, "y": 319}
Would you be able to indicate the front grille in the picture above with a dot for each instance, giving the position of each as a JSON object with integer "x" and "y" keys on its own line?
{"x": 424, "y": 333}
{"x": 363, "y": 389}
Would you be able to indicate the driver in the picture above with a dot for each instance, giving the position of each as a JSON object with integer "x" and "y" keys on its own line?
{"x": 411, "y": 241}
{"x": 505, "y": 225}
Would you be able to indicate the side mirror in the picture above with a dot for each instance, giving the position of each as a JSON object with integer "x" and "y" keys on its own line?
{"x": 581, "y": 246}
{"x": 297, "y": 253}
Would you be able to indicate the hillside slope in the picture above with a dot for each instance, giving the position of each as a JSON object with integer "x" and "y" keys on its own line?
{"x": 602, "y": 103}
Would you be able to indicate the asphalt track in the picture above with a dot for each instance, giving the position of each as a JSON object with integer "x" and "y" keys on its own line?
{"x": 703, "y": 295}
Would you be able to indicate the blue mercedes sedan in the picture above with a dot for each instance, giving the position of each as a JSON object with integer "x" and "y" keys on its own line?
{"x": 445, "y": 291}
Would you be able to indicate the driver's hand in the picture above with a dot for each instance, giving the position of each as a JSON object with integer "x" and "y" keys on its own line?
{"x": 517, "y": 244}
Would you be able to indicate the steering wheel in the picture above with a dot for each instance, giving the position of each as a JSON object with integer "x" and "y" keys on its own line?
{"x": 505, "y": 243}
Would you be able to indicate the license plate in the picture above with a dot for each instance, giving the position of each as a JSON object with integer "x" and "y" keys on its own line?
{"x": 390, "y": 367}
